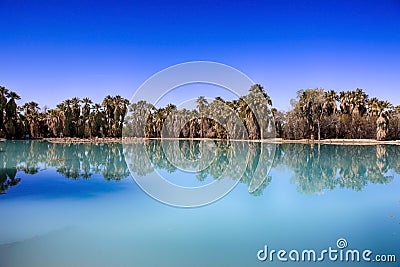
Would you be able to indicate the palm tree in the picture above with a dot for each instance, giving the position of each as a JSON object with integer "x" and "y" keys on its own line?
{"x": 54, "y": 122}
{"x": 11, "y": 114}
{"x": 373, "y": 107}
{"x": 359, "y": 101}
{"x": 3, "y": 103}
{"x": 76, "y": 113}
{"x": 159, "y": 118}
{"x": 86, "y": 107}
{"x": 247, "y": 116}
{"x": 329, "y": 106}
{"x": 31, "y": 113}
{"x": 279, "y": 120}
{"x": 120, "y": 111}
{"x": 258, "y": 89}
{"x": 109, "y": 107}
{"x": 139, "y": 114}
{"x": 310, "y": 104}
{"x": 86, "y": 116}
{"x": 201, "y": 104}
{"x": 260, "y": 103}
{"x": 30, "y": 107}
{"x": 97, "y": 121}
{"x": 395, "y": 123}
{"x": 61, "y": 113}
{"x": 344, "y": 102}
{"x": 67, "y": 118}
{"x": 169, "y": 121}
{"x": 382, "y": 123}
{"x": 11, "y": 107}
{"x": 353, "y": 107}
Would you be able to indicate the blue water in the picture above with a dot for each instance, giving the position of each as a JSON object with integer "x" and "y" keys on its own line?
{"x": 313, "y": 196}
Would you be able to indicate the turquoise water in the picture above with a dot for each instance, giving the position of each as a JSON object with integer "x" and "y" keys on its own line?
{"x": 78, "y": 205}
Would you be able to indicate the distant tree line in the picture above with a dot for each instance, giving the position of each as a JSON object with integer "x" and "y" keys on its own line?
{"x": 248, "y": 117}
{"x": 72, "y": 118}
{"x": 315, "y": 114}
{"x": 320, "y": 114}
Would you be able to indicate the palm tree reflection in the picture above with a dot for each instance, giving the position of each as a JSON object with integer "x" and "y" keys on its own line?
{"x": 326, "y": 167}
{"x": 315, "y": 168}
{"x": 70, "y": 160}
{"x": 8, "y": 179}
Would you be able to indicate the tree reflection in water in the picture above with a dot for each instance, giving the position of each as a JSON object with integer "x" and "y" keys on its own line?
{"x": 315, "y": 167}
{"x": 70, "y": 160}
{"x": 320, "y": 167}
{"x": 207, "y": 157}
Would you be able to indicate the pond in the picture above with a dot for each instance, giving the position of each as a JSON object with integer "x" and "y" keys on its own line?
{"x": 81, "y": 205}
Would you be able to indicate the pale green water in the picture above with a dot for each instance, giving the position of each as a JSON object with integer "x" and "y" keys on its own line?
{"x": 76, "y": 205}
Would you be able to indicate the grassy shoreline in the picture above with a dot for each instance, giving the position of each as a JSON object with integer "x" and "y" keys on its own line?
{"x": 70, "y": 140}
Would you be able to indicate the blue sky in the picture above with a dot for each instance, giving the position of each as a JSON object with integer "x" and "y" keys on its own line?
{"x": 53, "y": 50}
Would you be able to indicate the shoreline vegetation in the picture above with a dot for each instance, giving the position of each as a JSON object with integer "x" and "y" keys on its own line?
{"x": 317, "y": 116}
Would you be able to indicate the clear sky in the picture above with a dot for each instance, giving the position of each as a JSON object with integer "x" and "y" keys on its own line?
{"x": 54, "y": 50}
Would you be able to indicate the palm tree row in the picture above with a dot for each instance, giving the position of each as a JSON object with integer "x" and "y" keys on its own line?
{"x": 321, "y": 114}
{"x": 315, "y": 114}
{"x": 71, "y": 118}
{"x": 248, "y": 117}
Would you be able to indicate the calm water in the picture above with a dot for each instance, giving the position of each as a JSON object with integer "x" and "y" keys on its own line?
{"x": 77, "y": 205}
